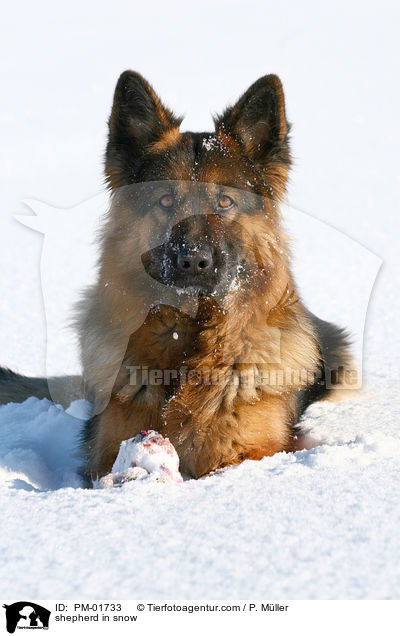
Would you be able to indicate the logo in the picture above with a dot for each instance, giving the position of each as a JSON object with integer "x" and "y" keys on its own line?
{"x": 152, "y": 230}
{"x": 26, "y": 615}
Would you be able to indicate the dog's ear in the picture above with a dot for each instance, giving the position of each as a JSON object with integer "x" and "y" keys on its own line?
{"x": 138, "y": 119}
{"x": 258, "y": 121}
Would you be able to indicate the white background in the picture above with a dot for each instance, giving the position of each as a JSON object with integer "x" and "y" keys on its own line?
{"x": 317, "y": 524}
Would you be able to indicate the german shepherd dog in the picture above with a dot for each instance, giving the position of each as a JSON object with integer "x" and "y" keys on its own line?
{"x": 197, "y": 214}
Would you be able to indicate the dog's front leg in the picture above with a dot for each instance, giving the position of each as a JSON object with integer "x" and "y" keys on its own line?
{"x": 210, "y": 430}
{"x": 123, "y": 418}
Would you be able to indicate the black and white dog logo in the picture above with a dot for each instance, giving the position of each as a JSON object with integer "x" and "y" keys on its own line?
{"x": 26, "y": 615}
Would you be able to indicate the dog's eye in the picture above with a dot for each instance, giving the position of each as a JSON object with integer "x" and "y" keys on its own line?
{"x": 166, "y": 201}
{"x": 225, "y": 202}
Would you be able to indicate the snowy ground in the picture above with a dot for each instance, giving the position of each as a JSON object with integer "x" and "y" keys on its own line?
{"x": 321, "y": 523}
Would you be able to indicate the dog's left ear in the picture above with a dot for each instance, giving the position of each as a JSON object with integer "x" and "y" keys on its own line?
{"x": 258, "y": 121}
{"x": 138, "y": 119}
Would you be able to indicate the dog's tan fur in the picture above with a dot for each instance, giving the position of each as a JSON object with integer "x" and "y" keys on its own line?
{"x": 224, "y": 422}
{"x": 258, "y": 341}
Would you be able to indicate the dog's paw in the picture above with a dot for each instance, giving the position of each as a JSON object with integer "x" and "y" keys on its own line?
{"x": 115, "y": 480}
{"x": 148, "y": 456}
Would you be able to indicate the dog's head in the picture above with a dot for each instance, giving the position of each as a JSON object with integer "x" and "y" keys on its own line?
{"x": 199, "y": 208}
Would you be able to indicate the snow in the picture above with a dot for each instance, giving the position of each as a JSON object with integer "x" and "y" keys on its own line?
{"x": 39, "y": 444}
{"x": 320, "y": 523}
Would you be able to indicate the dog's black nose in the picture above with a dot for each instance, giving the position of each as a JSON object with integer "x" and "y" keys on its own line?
{"x": 195, "y": 261}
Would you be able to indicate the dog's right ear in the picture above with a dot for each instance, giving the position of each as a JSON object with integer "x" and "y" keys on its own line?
{"x": 138, "y": 119}
{"x": 258, "y": 121}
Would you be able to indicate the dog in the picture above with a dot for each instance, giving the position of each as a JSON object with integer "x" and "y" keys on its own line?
{"x": 195, "y": 327}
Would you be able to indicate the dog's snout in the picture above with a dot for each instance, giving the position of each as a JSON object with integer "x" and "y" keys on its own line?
{"x": 195, "y": 261}
{"x": 194, "y": 258}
